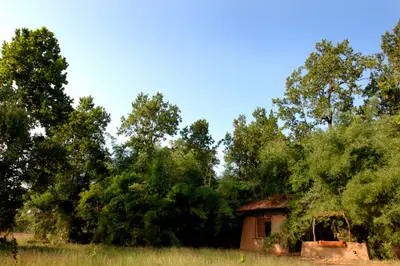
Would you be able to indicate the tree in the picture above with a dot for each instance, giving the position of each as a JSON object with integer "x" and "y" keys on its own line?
{"x": 391, "y": 48}
{"x": 197, "y": 139}
{"x": 384, "y": 84}
{"x": 86, "y": 161}
{"x": 114, "y": 209}
{"x": 32, "y": 79}
{"x": 84, "y": 136}
{"x": 31, "y": 65}
{"x": 372, "y": 195}
{"x": 321, "y": 90}
{"x": 162, "y": 206}
{"x": 14, "y": 141}
{"x": 244, "y": 147}
{"x": 350, "y": 168}
{"x": 149, "y": 122}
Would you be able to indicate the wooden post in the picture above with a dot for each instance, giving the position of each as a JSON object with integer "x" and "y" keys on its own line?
{"x": 348, "y": 225}
{"x": 313, "y": 229}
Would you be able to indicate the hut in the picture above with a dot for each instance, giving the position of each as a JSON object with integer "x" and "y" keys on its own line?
{"x": 262, "y": 218}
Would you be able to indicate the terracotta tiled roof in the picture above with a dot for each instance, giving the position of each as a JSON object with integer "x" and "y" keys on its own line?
{"x": 275, "y": 202}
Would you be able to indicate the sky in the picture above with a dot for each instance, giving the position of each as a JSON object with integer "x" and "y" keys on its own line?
{"x": 215, "y": 59}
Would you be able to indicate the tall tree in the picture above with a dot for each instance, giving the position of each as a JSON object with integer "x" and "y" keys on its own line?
{"x": 391, "y": 48}
{"x": 321, "y": 90}
{"x": 32, "y": 66}
{"x": 384, "y": 83}
{"x": 150, "y": 121}
{"x": 86, "y": 161}
{"x": 32, "y": 79}
{"x": 197, "y": 139}
{"x": 244, "y": 146}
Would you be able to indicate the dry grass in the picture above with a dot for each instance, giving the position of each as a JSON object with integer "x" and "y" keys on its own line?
{"x": 100, "y": 255}
{"x": 108, "y": 255}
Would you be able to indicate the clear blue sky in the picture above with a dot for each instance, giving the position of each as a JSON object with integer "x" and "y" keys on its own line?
{"x": 214, "y": 59}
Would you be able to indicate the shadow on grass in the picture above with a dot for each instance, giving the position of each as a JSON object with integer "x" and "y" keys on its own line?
{"x": 62, "y": 250}
{"x": 42, "y": 249}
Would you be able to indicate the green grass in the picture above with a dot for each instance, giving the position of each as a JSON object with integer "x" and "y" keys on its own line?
{"x": 109, "y": 255}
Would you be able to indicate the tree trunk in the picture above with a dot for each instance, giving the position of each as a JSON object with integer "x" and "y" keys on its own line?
{"x": 330, "y": 114}
{"x": 313, "y": 230}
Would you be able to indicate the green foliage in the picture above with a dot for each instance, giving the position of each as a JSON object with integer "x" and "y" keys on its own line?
{"x": 197, "y": 141}
{"x": 149, "y": 122}
{"x": 243, "y": 148}
{"x": 352, "y": 169}
{"x": 386, "y": 86}
{"x": 32, "y": 65}
{"x": 275, "y": 239}
{"x": 32, "y": 76}
{"x": 323, "y": 89}
{"x": 253, "y": 157}
{"x": 9, "y": 246}
{"x": 14, "y": 142}
{"x": 372, "y": 196}
{"x": 74, "y": 157}
{"x": 162, "y": 206}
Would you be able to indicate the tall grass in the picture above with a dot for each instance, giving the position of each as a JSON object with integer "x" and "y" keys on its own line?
{"x": 67, "y": 255}
{"x": 99, "y": 255}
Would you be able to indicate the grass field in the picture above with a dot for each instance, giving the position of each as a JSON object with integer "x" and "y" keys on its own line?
{"x": 109, "y": 255}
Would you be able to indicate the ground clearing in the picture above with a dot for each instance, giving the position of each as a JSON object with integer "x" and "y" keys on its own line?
{"x": 68, "y": 255}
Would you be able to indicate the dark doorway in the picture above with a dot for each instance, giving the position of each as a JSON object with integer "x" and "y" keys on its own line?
{"x": 268, "y": 228}
{"x": 323, "y": 231}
